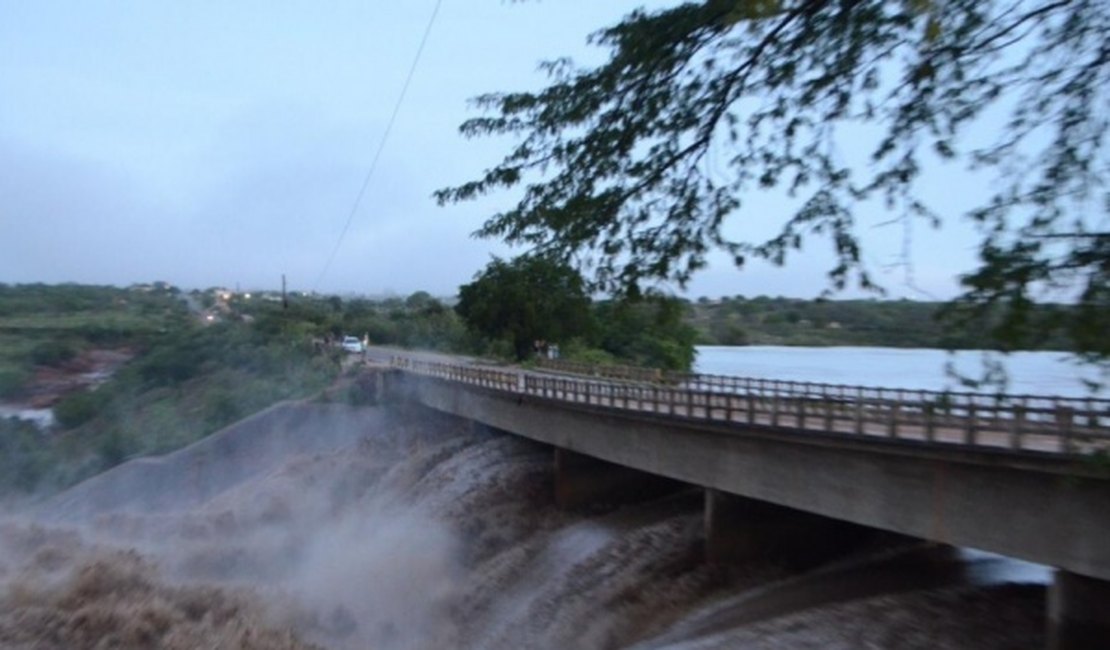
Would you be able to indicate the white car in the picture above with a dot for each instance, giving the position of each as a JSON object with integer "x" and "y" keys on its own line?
{"x": 352, "y": 344}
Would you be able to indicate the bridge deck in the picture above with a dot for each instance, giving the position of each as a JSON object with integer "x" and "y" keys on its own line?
{"x": 1049, "y": 425}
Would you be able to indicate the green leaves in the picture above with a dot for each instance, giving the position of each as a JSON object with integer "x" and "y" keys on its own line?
{"x": 527, "y": 299}
{"x": 620, "y": 166}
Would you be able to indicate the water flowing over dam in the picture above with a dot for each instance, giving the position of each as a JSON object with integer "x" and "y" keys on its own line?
{"x": 317, "y": 525}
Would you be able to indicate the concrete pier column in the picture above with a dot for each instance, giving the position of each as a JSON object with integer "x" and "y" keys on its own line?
{"x": 582, "y": 480}
{"x": 1078, "y": 612}
{"x": 738, "y": 529}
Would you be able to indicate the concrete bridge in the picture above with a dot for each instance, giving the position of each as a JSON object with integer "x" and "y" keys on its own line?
{"x": 796, "y": 470}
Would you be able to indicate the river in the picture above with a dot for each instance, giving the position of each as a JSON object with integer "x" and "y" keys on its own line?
{"x": 1028, "y": 373}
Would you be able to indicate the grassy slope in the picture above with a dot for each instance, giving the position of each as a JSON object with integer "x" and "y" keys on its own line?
{"x": 188, "y": 380}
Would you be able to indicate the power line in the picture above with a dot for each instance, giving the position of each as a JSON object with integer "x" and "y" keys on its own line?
{"x": 381, "y": 144}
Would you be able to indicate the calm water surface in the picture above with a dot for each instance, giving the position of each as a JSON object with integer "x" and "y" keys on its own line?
{"x": 1033, "y": 373}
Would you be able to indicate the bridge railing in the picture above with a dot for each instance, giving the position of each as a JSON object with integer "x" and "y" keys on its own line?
{"x": 1020, "y": 422}
{"x": 1026, "y": 408}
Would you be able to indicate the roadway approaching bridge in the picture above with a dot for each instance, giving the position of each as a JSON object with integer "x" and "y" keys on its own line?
{"x": 797, "y": 468}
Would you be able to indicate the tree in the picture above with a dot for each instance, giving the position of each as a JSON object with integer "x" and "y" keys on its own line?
{"x": 649, "y": 330}
{"x": 617, "y": 161}
{"x": 526, "y": 299}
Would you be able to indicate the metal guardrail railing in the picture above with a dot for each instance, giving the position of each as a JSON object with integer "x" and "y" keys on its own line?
{"x": 1015, "y": 422}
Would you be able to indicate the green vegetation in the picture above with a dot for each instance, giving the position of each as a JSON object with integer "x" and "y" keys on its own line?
{"x": 893, "y": 323}
{"x": 25, "y": 456}
{"x": 189, "y": 376}
{"x": 525, "y": 300}
{"x": 50, "y": 325}
{"x": 643, "y": 165}
{"x": 512, "y": 305}
{"x": 192, "y": 383}
{"x": 648, "y": 331}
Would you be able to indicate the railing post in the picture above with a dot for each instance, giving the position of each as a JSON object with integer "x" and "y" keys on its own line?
{"x": 802, "y": 412}
{"x": 930, "y": 420}
{"x": 1016, "y": 425}
{"x": 1064, "y": 419}
{"x": 892, "y": 418}
{"x": 969, "y": 431}
{"x": 859, "y": 409}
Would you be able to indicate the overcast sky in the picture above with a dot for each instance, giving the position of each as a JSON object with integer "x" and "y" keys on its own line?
{"x": 223, "y": 144}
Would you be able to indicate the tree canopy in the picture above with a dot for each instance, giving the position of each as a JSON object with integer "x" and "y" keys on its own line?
{"x": 524, "y": 300}
{"x": 635, "y": 167}
{"x": 650, "y": 331}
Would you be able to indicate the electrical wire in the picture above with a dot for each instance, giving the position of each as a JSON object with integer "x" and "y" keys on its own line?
{"x": 381, "y": 145}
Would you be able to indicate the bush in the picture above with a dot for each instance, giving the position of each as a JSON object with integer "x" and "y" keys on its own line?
{"x": 221, "y": 409}
{"x": 575, "y": 350}
{"x": 24, "y": 455}
{"x": 78, "y": 408}
{"x": 12, "y": 380}
{"x": 172, "y": 365}
{"x": 112, "y": 448}
{"x": 53, "y": 353}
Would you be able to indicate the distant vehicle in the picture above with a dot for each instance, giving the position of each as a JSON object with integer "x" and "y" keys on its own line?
{"x": 352, "y": 344}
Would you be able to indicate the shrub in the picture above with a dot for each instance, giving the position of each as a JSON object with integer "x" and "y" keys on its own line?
{"x": 78, "y": 408}
{"x": 24, "y": 455}
{"x": 12, "y": 380}
{"x": 171, "y": 365}
{"x": 53, "y": 353}
{"x": 112, "y": 448}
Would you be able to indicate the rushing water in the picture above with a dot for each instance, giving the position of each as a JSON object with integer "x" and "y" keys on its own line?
{"x": 352, "y": 529}
{"x": 42, "y": 418}
{"x": 1029, "y": 373}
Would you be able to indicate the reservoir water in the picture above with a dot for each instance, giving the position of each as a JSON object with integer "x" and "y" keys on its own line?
{"x": 1028, "y": 373}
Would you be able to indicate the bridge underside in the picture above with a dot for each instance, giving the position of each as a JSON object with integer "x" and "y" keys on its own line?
{"x": 1021, "y": 506}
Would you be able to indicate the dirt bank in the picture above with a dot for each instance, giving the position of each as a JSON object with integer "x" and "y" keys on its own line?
{"x": 90, "y": 368}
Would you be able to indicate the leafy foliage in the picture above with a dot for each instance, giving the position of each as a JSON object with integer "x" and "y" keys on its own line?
{"x": 524, "y": 300}
{"x": 885, "y": 323}
{"x": 48, "y": 325}
{"x": 186, "y": 381}
{"x": 24, "y": 456}
{"x": 53, "y": 353}
{"x": 621, "y": 165}
{"x": 650, "y": 331}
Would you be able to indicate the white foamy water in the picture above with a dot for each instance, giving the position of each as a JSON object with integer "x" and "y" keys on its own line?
{"x": 42, "y": 418}
{"x": 350, "y": 529}
{"x": 1028, "y": 373}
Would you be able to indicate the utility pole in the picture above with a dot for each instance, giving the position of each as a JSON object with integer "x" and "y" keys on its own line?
{"x": 284, "y": 299}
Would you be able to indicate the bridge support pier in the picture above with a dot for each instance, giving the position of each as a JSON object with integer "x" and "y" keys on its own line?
{"x": 581, "y": 480}
{"x": 738, "y": 529}
{"x": 1078, "y": 612}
